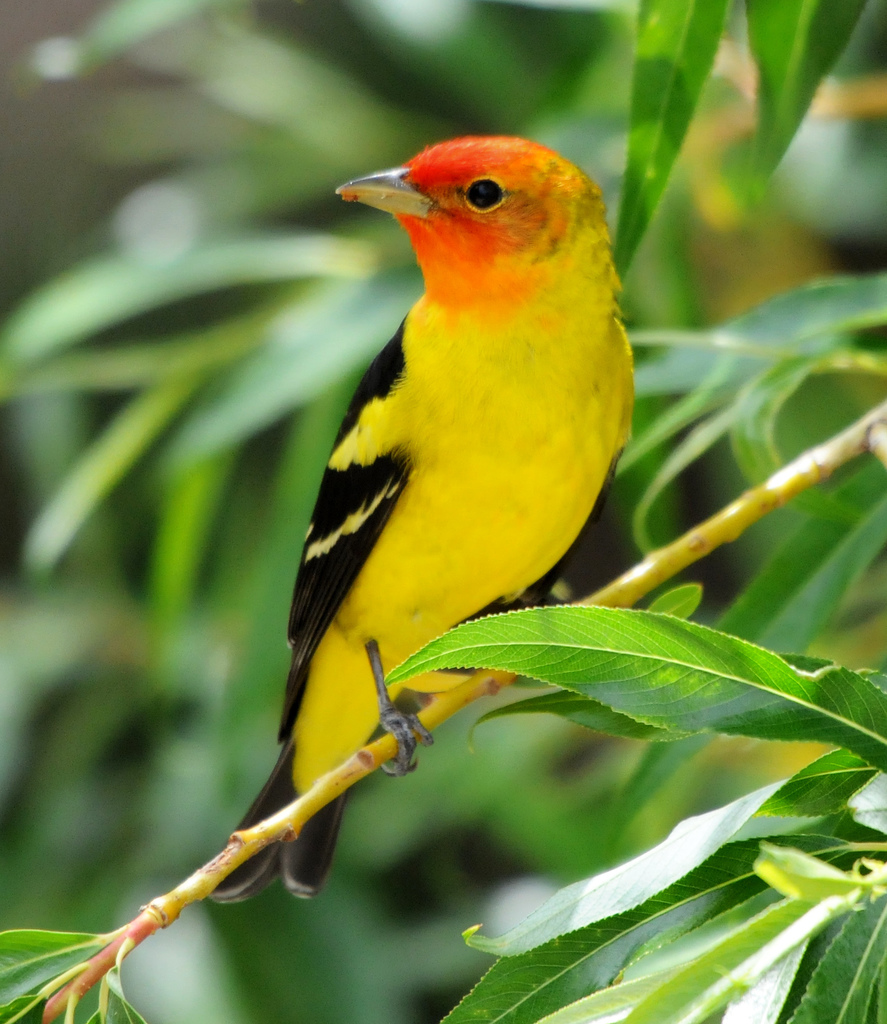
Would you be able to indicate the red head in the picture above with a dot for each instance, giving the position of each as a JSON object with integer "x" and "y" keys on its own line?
{"x": 488, "y": 215}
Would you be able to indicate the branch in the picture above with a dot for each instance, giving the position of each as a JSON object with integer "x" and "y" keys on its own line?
{"x": 868, "y": 434}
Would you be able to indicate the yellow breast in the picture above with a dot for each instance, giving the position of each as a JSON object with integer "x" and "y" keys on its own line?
{"x": 508, "y": 453}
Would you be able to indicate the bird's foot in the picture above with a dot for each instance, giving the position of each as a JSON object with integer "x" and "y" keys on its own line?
{"x": 403, "y": 726}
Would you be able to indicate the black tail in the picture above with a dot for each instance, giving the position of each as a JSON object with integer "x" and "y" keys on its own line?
{"x": 302, "y": 865}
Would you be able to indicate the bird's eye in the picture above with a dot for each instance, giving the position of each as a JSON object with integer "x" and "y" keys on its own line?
{"x": 484, "y": 194}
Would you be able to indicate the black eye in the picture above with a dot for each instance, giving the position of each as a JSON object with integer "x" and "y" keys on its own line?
{"x": 484, "y": 193}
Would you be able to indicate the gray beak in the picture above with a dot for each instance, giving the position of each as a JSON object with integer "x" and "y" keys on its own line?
{"x": 387, "y": 190}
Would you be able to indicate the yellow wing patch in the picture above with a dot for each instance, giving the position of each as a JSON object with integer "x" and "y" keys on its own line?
{"x": 352, "y": 523}
{"x": 359, "y": 447}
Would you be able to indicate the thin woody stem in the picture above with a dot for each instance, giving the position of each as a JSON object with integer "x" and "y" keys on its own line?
{"x": 868, "y": 434}
{"x": 812, "y": 467}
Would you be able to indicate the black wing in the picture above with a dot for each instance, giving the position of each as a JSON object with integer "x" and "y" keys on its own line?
{"x": 336, "y": 548}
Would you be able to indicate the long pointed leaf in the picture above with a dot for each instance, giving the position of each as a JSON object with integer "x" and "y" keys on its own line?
{"x": 841, "y": 987}
{"x": 795, "y": 44}
{"x": 670, "y": 673}
{"x": 28, "y": 959}
{"x": 627, "y": 886}
{"x": 102, "y": 467}
{"x": 676, "y": 45}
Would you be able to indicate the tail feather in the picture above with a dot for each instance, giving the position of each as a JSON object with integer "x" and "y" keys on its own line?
{"x": 303, "y": 865}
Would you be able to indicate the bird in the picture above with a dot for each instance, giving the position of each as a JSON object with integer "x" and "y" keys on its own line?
{"x": 476, "y": 451}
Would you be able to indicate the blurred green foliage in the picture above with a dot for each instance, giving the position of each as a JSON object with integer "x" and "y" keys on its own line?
{"x": 189, "y": 307}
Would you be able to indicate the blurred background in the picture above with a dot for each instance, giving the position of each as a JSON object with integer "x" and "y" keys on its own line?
{"x": 186, "y": 309}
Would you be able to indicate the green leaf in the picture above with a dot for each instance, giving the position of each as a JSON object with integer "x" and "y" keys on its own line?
{"x": 583, "y": 711}
{"x": 735, "y": 965}
{"x": 680, "y": 414}
{"x": 705, "y": 434}
{"x": 671, "y": 673}
{"x": 133, "y": 366}
{"x": 811, "y": 319}
{"x": 675, "y": 49}
{"x": 795, "y": 44}
{"x": 309, "y": 347}
{"x": 800, "y": 557}
{"x": 521, "y": 988}
{"x": 831, "y": 306}
{"x": 622, "y": 888}
{"x": 841, "y": 987}
{"x": 610, "y": 1004}
{"x": 190, "y": 503}
{"x": 119, "y": 1011}
{"x": 680, "y": 601}
{"x": 763, "y": 1002}
{"x": 28, "y": 959}
{"x": 24, "y": 1010}
{"x": 823, "y": 787}
{"x": 126, "y": 22}
{"x": 96, "y": 295}
{"x": 753, "y": 433}
{"x": 681, "y": 370}
{"x": 800, "y": 876}
{"x": 869, "y": 805}
{"x": 800, "y": 620}
{"x": 101, "y": 468}
{"x": 658, "y": 764}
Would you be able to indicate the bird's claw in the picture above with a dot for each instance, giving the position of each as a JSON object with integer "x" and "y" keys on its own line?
{"x": 408, "y": 731}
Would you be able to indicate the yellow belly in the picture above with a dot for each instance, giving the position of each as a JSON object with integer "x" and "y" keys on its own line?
{"x": 492, "y": 503}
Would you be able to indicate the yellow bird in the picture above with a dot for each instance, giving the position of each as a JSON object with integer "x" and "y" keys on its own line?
{"x": 475, "y": 450}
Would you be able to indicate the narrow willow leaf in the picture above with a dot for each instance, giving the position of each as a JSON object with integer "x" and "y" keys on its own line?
{"x": 841, "y": 987}
{"x": 126, "y": 22}
{"x": 675, "y": 49}
{"x": 811, "y": 319}
{"x": 190, "y": 503}
{"x": 800, "y": 876}
{"x": 801, "y": 619}
{"x": 24, "y": 1010}
{"x": 518, "y": 989}
{"x": 737, "y": 964}
{"x": 101, "y": 468}
{"x": 824, "y": 787}
{"x": 119, "y": 1011}
{"x": 622, "y": 888}
{"x": 29, "y": 959}
{"x": 753, "y": 433}
{"x": 671, "y": 673}
{"x": 94, "y": 296}
{"x": 711, "y": 393}
{"x": 611, "y": 1004}
{"x": 705, "y": 434}
{"x": 311, "y": 345}
{"x": 801, "y": 556}
{"x": 831, "y": 306}
{"x": 869, "y": 805}
{"x": 583, "y": 711}
{"x": 795, "y": 43}
{"x": 680, "y": 601}
{"x": 682, "y": 370}
{"x": 136, "y": 365}
{"x": 764, "y": 1001}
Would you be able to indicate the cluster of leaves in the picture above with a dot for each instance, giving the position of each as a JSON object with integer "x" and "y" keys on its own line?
{"x": 708, "y": 918}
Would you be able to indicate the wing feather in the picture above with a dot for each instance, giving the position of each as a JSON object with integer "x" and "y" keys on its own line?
{"x": 352, "y": 508}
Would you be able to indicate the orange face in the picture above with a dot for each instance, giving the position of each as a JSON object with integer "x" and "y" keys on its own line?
{"x": 486, "y": 215}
